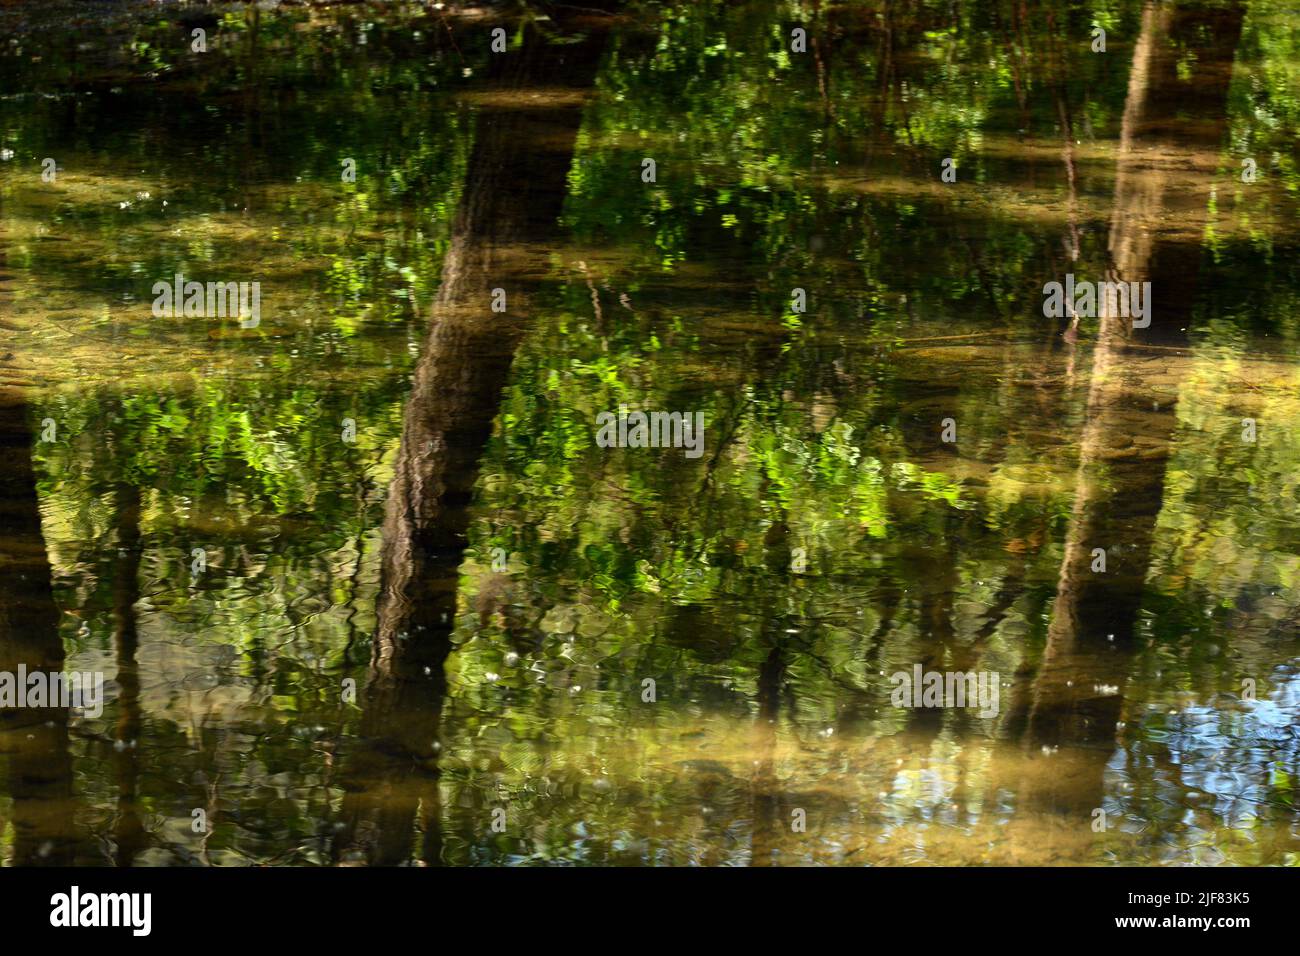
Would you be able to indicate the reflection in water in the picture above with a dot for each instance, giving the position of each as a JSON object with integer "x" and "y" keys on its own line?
{"x": 35, "y": 739}
{"x": 128, "y": 829}
{"x": 1077, "y": 693}
{"x": 639, "y": 657}
{"x": 514, "y": 181}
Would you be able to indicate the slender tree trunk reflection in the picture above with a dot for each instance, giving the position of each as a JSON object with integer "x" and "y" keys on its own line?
{"x": 129, "y": 835}
{"x": 1170, "y": 140}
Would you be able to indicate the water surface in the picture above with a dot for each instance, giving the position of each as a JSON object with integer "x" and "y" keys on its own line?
{"x": 499, "y": 589}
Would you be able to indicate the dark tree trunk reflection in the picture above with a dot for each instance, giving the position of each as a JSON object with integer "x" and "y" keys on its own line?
{"x": 514, "y": 190}
{"x": 35, "y": 740}
{"x": 129, "y": 836}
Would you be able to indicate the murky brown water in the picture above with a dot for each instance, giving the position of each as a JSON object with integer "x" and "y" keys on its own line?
{"x": 362, "y": 584}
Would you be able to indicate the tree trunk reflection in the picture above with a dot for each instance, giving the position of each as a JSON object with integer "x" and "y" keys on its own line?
{"x": 1167, "y": 158}
{"x": 514, "y": 190}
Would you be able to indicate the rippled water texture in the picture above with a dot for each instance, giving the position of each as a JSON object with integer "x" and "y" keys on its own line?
{"x": 365, "y": 589}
